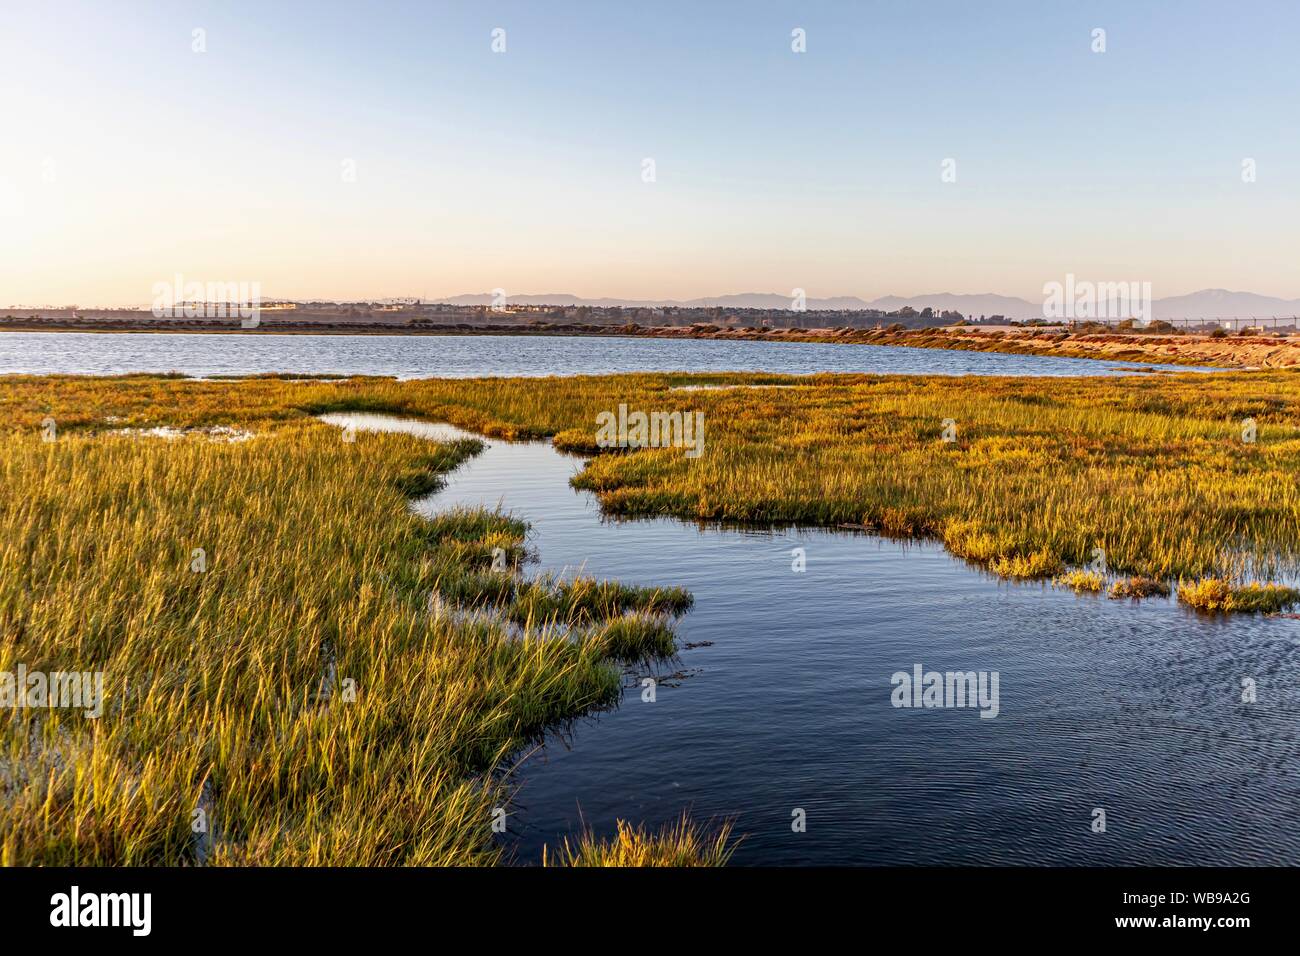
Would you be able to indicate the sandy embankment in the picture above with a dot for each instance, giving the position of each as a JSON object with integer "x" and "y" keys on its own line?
{"x": 1229, "y": 352}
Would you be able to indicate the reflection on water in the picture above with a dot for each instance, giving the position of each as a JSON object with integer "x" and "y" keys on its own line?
{"x": 784, "y": 702}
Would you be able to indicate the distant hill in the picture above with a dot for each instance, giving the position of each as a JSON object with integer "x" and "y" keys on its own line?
{"x": 1210, "y": 303}
{"x": 987, "y": 304}
{"x": 967, "y": 304}
{"x": 1207, "y": 303}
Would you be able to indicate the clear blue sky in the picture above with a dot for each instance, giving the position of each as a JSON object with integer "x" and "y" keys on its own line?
{"x": 130, "y": 158}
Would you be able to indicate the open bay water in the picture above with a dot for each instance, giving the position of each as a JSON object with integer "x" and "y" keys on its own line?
{"x": 464, "y": 356}
{"x": 780, "y": 701}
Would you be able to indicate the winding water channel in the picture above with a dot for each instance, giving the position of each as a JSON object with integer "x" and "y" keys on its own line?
{"x": 780, "y": 700}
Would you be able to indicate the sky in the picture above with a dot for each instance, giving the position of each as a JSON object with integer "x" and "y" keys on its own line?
{"x": 372, "y": 150}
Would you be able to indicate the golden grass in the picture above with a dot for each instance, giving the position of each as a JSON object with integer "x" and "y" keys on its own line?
{"x": 1151, "y": 469}
{"x": 1039, "y": 564}
{"x": 679, "y": 844}
{"x": 303, "y": 690}
{"x": 1082, "y": 581}
{"x": 1138, "y": 587}
{"x": 1216, "y": 595}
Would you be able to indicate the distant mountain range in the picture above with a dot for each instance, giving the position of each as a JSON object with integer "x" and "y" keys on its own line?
{"x": 1221, "y": 302}
{"x": 1208, "y": 303}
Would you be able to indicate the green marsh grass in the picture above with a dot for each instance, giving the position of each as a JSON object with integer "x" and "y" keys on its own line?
{"x": 298, "y": 688}
{"x": 1152, "y": 469}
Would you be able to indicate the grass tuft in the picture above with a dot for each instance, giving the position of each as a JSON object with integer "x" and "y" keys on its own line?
{"x": 635, "y": 637}
{"x": 679, "y": 844}
{"x": 1138, "y": 587}
{"x": 1082, "y": 581}
{"x": 1216, "y": 595}
{"x": 1039, "y": 564}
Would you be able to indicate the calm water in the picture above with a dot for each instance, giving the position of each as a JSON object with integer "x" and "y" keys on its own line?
{"x": 1132, "y": 708}
{"x": 461, "y": 356}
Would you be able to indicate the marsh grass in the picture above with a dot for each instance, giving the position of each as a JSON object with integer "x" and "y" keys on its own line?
{"x": 1039, "y": 564}
{"x": 1138, "y": 587}
{"x": 1093, "y": 582}
{"x": 298, "y": 690}
{"x": 635, "y": 637}
{"x": 1151, "y": 469}
{"x": 677, "y": 844}
{"x": 1216, "y": 595}
{"x": 1082, "y": 582}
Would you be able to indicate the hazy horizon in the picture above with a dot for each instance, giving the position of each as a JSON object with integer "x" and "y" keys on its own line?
{"x": 338, "y": 155}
